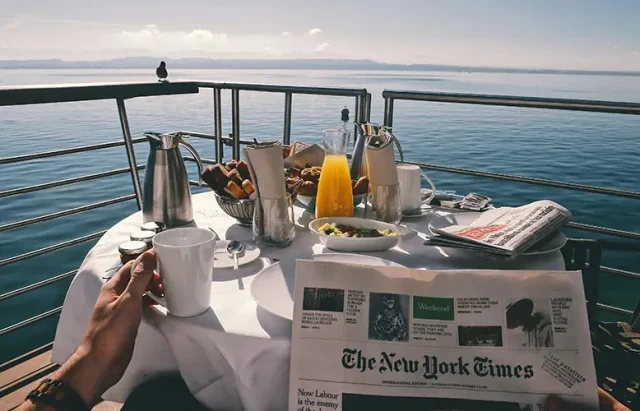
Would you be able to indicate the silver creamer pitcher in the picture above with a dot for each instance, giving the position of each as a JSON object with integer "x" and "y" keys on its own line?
{"x": 166, "y": 196}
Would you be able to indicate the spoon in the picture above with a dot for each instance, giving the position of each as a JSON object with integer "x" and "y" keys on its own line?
{"x": 234, "y": 248}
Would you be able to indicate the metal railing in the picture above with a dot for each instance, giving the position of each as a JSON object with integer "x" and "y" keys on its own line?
{"x": 362, "y": 109}
{"x": 14, "y": 96}
{"x": 390, "y": 96}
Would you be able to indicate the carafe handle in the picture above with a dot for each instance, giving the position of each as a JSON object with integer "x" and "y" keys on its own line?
{"x": 193, "y": 152}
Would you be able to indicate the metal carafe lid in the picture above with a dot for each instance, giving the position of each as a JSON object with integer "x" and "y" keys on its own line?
{"x": 163, "y": 141}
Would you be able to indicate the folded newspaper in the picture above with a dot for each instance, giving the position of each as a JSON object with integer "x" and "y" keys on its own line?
{"x": 384, "y": 338}
{"x": 507, "y": 231}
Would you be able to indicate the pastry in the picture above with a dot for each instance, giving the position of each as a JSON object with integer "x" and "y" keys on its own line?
{"x": 311, "y": 174}
{"x": 232, "y": 164}
{"x": 247, "y": 186}
{"x": 243, "y": 170}
{"x": 286, "y": 151}
{"x": 221, "y": 174}
{"x": 208, "y": 176}
{"x": 361, "y": 186}
{"x": 235, "y": 191}
{"x": 235, "y": 177}
{"x": 308, "y": 188}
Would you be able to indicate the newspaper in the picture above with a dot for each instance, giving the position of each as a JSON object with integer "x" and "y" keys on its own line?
{"x": 384, "y": 338}
{"x": 507, "y": 230}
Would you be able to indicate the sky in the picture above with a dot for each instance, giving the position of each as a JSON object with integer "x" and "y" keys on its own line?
{"x": 560, "y": 34}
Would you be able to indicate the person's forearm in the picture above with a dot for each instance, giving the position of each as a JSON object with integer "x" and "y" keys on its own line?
{"x": 81, "y": 373}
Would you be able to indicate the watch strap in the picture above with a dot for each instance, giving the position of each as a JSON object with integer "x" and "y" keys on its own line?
{"x": 58, "y": 395}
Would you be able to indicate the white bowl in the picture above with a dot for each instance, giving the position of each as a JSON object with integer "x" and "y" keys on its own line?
{"x": 360, "y": 244}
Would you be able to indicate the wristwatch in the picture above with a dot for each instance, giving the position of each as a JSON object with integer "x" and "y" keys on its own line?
{"x": 58, "y": 395}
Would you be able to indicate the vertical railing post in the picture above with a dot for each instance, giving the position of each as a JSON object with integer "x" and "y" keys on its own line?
{"x": 367, "y": 108}
{"x": 126, "y": 133}
{"x": 235, "y": 122}
{"x": 217, "y": 122}
{"x": 388, "y": 112}
{"x": 357, "y": 117}
{"x": 286, "y": 134}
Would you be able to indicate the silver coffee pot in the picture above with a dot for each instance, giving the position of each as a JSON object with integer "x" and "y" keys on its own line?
{"x": 166, "y": 196}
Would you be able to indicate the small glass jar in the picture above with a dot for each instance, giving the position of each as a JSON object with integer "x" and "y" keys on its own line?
{"x": 131, "y": 250}
{"x": 144, "y": 236}
{"x": 152, "y": 226}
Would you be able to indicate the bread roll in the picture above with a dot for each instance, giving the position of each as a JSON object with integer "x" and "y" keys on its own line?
{"x": 247, "y": 186}
{"x": 308, "y": 188}
{"x": 361, "y": 186}
{"x": 208, "y": 177}
{"x": 235, "y": 177}
{"x": 235, "y": 191}
{"x": 243, "y": 170}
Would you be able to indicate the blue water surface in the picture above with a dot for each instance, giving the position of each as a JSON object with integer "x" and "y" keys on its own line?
{"x": 587, "y": 148}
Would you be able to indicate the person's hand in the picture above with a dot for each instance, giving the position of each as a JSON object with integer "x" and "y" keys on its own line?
{"x": 607, "y": 403}
{"x": 107, "y": 347}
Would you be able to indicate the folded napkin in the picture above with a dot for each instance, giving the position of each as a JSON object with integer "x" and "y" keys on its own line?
{"x": 271, "y": 220}
{"x": 313, "y": 154}
{"x": 384, "y": 188}
{"x": 379, "y": 151}
{"x": 225, "y": 371}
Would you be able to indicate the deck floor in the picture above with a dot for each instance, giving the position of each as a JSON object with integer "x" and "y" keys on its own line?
{"x": 16, "y": 398}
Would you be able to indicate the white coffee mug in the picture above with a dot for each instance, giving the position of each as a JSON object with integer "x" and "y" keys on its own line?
{"x": 185, "y": 264}
{"x": 409, "y": 176}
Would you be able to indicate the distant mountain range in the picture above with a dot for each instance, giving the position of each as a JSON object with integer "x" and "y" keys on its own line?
{"x": 280, "y": 64}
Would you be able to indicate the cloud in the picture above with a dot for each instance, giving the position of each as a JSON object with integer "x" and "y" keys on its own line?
{"x": 313, "y": 32}
{"x": 153, "y": 38}
{"x": 322, "y": 47}
{"x": 286, "y": 33}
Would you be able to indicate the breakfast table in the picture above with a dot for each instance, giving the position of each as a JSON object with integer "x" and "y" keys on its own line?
{"x": 236, "y": 354}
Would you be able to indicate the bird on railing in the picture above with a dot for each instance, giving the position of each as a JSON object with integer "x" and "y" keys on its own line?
{"x": 161, "y": 72}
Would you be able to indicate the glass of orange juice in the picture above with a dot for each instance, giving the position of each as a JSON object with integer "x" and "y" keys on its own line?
{"x": 335, "y": 193}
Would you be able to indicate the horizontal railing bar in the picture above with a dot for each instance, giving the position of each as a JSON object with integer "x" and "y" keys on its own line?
{"x": 31, "y": 320}
{"x": 613, "y": 309}
{"x": 229, "y": 141}
{"x": 25, "y": 357}
{"x": 617, "y": 271}
{"x": 55, "y": 153}
{"x": 271, "y": 88}
{"x": 60, "y": 93}
{"x": 51, "y": 248}
{"x": 530, "y": 180}
{"x": 37, "y": 285}
{"x": 204, "y": 160}
{"x": 71, "y": 211}
{"x": 60, "y": 183}
{"x": 198, "y": 135}
{"x": 604, "y": 230}
{"x": 516, "y": 101}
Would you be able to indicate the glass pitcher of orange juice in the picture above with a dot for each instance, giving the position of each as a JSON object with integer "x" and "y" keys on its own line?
{"x": 335, "y": 193}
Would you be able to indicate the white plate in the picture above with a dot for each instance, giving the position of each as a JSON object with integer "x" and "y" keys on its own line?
{"x": 360, "y": 244}
{"x": 551, "y": 244}
{"x": 224, "y": 260}
{"x": 272, "y": 289}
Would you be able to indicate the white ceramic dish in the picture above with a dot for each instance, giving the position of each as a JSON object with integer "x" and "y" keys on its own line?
{"x": 272, "y": 289}
{"x": 224, "y": 260}
{"x": 551, "y": 244}
{"x": 360, "y": 244}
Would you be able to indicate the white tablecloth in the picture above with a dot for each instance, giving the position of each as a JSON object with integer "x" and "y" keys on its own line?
{"x": 236, "y": 355}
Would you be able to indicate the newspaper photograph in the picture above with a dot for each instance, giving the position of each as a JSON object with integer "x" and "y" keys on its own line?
{"x": 386, "y": 338}
{"x": 509, "y": 230}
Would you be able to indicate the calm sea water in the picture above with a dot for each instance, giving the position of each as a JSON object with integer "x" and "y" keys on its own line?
{"x": 595, "y": 149}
